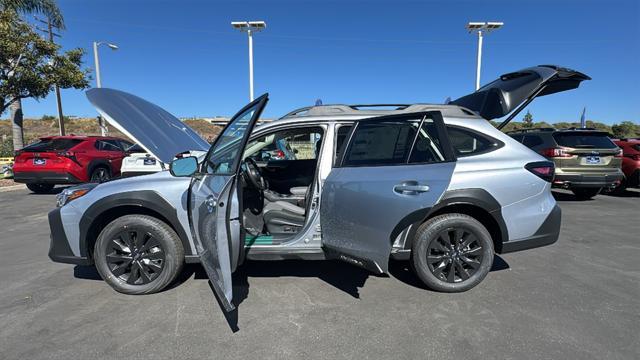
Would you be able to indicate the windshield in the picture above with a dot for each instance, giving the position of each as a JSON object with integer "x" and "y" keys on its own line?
{"x": 584, "y": 140}
{"x": 52, "y": 145}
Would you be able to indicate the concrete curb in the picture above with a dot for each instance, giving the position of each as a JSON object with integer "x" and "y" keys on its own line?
{"x": 12, "y": 188}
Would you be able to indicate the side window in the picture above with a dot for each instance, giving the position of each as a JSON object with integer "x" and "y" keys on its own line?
{"x": 125, "y": 145}
{"x": 290, "y": 144}
{"x": 342, "y": 132}
{"x": 467, "y": 143}
{"x": 531, "y": 140}
{"x": 381, "y": 143}
{"x": 427, "y": 148}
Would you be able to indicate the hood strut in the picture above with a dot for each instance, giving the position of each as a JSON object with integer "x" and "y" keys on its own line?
{"x": 521, "y": 107}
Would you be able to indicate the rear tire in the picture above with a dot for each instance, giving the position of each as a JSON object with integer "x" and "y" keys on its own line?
{"x": 585, "y": 193}
{"x": 138, "y": 254}
{"x": 40, "y": 188}
{"x": 100, "y": 174}
{"x": 452, "y": 253}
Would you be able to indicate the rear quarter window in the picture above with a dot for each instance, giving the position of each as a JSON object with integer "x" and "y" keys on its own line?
{"x": 584, "y": 140}
{"x": 466, "y": 143}
{"x": 53, "y": 145}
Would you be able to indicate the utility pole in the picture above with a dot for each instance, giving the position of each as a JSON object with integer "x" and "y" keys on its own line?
{"x": 49, "y": 30}
{"x": 96, "y": 59}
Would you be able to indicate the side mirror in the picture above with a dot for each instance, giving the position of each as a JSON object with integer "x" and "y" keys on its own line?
{"x": 184, "y": 167}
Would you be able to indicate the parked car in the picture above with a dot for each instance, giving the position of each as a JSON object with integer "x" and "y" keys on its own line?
{"x": 69, "y": 159}
{"x": 139, "y": 162}
{"x": 630, "y": 162}
{"x": 586, "y": 160}
{"x": 436, "y": 185}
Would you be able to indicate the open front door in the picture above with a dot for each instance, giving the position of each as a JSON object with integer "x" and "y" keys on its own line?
{"x": 215, "y": 202}
{"x": 392, "y": 171}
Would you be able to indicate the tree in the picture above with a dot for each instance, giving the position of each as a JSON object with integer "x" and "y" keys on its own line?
{"x": 30, "y": 66}
{"x": 527, "y": 120}
{"x": 47, "y": 8}
{"x": 625, "y": 129}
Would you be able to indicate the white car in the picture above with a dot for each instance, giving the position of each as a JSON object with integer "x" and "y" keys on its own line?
{"x": 140, "y": 162}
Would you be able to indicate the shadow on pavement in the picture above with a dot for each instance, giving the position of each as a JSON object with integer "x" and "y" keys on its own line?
{"x": 626, "y": 193}
{"x": 86, "y": 273}
{"x": 401, "y": 270}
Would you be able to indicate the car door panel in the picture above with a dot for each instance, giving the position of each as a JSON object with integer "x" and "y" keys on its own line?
{"x": 361, "y": 206}
{"x": 282, "y": 175}
{"x": 215, "y": 202}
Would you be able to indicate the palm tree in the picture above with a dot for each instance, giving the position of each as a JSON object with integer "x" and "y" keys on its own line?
{"x": 49, "y": 9}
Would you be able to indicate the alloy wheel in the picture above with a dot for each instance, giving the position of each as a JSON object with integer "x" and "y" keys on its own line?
{"x": 454, "y": 255}
{"x": 100, "y": 175}
{"x": 135, "y": 257}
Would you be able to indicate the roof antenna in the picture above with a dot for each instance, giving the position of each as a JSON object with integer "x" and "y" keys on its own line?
{"x": 318, "y": 102}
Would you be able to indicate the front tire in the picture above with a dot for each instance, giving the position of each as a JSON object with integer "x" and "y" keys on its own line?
{"x": 40, "y": 188}
{"x": 585, "y": 193}
{"x": 100, "y": 174}
{"x": 452, "y": 253}
{"x": 138, "y": 254}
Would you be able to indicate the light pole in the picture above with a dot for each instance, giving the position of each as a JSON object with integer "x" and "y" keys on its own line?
{"x": 481, "y": 28}
{"x": 96, "y": 58}
{"x": 250, "y": 27}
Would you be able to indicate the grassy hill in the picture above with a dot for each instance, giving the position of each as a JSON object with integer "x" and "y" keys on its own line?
{"x": 34, "y": 129}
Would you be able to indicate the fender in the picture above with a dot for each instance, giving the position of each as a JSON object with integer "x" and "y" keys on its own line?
{"x": 474, "y": 196}
{"x": 145, "y": 199}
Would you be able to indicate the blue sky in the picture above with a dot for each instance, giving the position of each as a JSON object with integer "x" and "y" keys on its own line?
{"x": 184, "y": 55}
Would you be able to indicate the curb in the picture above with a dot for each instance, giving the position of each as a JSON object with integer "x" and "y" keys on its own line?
{"x": 12, "y": 188}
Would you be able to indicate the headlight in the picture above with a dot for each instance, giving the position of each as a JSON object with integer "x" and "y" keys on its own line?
{"x": 70, "y": 194}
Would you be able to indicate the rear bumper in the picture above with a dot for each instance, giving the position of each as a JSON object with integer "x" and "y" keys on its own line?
{"x": 588, "y": 180}
{"x": 59, "y": 249}
{"x": 45, "y": 177}
{"x": 136, "y": 173}
{"x": 547, "y": 234}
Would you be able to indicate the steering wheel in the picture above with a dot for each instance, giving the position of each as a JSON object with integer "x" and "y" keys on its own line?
{"x": 252, "y": 174}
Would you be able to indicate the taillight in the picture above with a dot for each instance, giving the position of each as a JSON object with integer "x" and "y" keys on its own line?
{"x": 555, "y": 153}
{"x": 618, "y": 154}
{"x": 545, "y": 170}
{"x": 633, "y": 156}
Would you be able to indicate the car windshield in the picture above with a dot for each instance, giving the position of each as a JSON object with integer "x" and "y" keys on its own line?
{"x": 52, "y": 145}
{"x": 585, "y": 140}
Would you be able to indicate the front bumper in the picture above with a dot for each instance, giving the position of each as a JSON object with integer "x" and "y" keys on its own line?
{"x": 45, "y": 177}
{"x": 547, "y": 234}
{"x": 588, "y": 180}
{"x": 59, "y": 249}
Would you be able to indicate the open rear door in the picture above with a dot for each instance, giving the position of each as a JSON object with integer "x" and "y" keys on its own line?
{"x": 215, "y": 202}
{"x": 393, "y": 170}
{"x": 512, "y": 92}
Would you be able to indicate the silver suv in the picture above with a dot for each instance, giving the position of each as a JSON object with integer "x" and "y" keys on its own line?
{"x": 436, "y": 185}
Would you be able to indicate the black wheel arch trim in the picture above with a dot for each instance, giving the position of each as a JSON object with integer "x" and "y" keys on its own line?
{"x": 474, "y": 196}
{"x": 144, "y": 199}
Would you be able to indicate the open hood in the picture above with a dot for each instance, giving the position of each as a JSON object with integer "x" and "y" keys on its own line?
{"x": 512, "y": 92}
{"x": 154, "y": 129}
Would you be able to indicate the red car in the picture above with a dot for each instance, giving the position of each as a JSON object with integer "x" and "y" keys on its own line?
{"x": 630, "y": 161}
{"x": 68, "y": 160}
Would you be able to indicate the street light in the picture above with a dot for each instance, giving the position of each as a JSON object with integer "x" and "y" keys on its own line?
{"x": 250, "y": 27}
{"x": 97, "y": 59}
{"x": 480, "y": 28}
{"x": 103, "y": 126}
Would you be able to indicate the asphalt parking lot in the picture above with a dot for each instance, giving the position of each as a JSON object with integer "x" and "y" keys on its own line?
{"x": 577, "y": 299}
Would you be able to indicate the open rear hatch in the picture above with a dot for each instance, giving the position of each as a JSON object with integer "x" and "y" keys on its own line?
{"x": 512, "y": 92}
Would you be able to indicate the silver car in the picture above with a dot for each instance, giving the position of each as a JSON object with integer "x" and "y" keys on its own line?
{"x": 437, "y": 185}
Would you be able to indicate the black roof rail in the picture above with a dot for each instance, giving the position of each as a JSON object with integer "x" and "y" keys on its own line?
{"x": 579, "y": 128}
{"x": 396, "y": 106}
